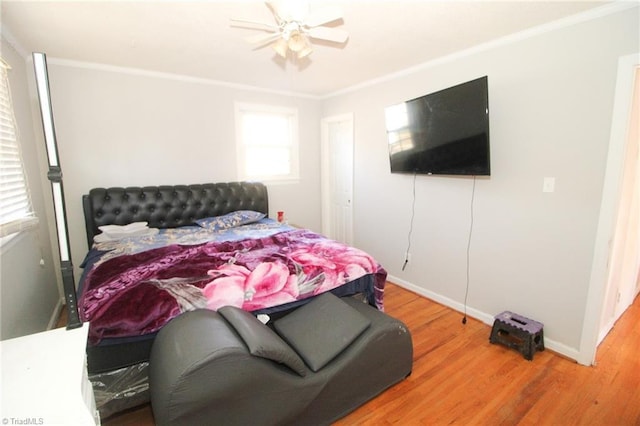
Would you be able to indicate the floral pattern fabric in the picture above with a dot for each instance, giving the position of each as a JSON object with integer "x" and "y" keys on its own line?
{"x": 138, "y": 291}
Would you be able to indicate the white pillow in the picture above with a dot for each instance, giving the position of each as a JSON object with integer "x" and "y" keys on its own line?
{"x": 132, "y": 227}
{"x": 114, "y": 236}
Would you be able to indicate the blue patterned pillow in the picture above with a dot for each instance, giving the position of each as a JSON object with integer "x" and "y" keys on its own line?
{"x": 230, "y": 220}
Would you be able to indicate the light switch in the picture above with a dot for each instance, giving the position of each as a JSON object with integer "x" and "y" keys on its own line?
{"x": 549, "y": 184}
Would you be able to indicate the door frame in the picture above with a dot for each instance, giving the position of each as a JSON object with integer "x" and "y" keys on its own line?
{"x": 609, "y": 205}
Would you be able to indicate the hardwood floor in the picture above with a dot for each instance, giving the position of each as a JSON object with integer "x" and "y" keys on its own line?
{"x": 460, "y": 378}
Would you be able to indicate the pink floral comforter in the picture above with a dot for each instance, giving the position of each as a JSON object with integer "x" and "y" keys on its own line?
{"x": 136, "y": 294}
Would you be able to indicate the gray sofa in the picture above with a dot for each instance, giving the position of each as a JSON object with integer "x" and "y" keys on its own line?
{"x": 311, "y": 366}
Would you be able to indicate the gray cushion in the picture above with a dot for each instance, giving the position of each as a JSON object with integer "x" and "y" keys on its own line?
{"x": 261, "y": 340}
{"x": 321, "y": 329}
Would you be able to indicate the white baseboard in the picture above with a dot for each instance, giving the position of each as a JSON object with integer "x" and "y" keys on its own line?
{"x": 478, "y": 315}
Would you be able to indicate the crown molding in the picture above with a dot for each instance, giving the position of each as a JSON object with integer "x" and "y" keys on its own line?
{"x": 171, "y": 76}
{"x": 596, "y": 13}
{"x": 9, "y": 38}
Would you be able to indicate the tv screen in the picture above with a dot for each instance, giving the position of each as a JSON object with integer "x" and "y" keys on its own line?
{"x": 446, "y": 132}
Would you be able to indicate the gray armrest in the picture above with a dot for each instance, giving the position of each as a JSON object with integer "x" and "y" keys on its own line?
{"x": 186, "y": 348}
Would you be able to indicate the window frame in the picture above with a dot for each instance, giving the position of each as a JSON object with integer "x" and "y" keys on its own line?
{"x": 25, "y": 219}
{"x": 291, "y": 114}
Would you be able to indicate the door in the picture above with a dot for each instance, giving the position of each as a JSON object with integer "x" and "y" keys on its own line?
{"x": 337, "y": 178}
{"x": 624, "y": 260}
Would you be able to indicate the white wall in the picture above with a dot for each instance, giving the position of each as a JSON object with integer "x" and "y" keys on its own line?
{"x": 120, "y": 127}
{"x": 551, "y": 97}
{"x": 29, "y": 292}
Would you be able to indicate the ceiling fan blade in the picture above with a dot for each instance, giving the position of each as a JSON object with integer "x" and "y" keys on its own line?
{"x": 263, "y": 38}
{"x": 330, "y": 34}
{"x": 273, "y": 7}
{"x": 253, "y": 24}
{"x": 323, "y": 16}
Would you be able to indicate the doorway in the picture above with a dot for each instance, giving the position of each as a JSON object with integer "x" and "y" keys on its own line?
{"x": 337, "y": 177}
{"x": 624, "y": 262}
{"x": 602, "y": 297}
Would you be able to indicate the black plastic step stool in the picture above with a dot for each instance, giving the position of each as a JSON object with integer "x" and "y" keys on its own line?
{"x": 518, "y": 332}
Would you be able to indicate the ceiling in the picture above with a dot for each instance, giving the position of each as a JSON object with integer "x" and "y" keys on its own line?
{"x": 196, "y": 38}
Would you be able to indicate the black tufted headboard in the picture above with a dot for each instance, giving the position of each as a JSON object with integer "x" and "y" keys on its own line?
{"x": 169, "y": 206}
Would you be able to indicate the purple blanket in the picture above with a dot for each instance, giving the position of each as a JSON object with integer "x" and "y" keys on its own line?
{"x": 136, "y": 294}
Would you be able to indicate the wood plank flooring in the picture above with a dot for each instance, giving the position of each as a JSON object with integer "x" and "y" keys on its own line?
{"x": 460, "y": 378}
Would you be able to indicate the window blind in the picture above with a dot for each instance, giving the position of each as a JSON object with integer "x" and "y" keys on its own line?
{"x": 15, "y": 205}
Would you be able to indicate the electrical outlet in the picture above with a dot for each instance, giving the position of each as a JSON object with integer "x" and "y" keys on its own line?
{"x": 549, "y": 184}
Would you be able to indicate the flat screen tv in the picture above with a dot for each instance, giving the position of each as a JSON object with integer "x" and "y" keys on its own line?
{"x": 442, "y": 133}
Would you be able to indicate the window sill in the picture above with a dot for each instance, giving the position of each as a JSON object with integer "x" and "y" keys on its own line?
{"x": 272, "y": 181}
{"x": 281, "y": 181}
{"x": 9, "y": 240}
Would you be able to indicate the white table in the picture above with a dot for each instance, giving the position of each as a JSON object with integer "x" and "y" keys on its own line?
{"x": 44, "y": 379}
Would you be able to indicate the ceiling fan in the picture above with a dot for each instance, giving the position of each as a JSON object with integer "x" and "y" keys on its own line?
{"x": 295, "y": 27}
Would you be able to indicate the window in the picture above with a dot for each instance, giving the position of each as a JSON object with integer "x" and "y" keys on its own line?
{"x": 15, "y": 204}
{"x": 267, "y": 143}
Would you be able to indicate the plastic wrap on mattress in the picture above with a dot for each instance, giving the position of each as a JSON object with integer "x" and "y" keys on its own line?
{"x": 121, "y": 389}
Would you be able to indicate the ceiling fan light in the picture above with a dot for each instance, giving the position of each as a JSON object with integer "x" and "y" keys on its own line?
{"x": 306, "y": 51}
{"x": 297, "y": 42}
{"x": 281, "y": 47}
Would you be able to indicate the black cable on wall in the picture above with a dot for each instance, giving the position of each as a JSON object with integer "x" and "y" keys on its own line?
{"x": 413, "y": 212}
{"x": 466, "y": 292}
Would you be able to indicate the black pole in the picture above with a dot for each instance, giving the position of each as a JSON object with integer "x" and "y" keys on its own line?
{"x": 55, "y": 177}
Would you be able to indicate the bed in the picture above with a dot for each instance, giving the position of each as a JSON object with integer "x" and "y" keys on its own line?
{"x": 159, "y": 251}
